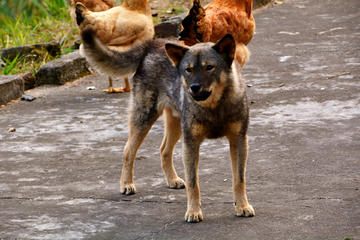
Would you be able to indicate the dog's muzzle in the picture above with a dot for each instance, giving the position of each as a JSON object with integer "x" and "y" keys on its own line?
{"x": 198, "y": 94}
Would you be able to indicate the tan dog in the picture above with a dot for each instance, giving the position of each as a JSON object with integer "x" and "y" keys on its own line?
{"x": 201, "y": 93}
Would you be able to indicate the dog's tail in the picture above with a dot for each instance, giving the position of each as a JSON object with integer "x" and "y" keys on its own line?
{"x": 109, "y": 61}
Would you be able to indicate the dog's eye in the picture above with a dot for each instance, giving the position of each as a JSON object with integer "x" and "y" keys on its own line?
{"x": 209, "y": 67}
{"x": 188, "y": 70}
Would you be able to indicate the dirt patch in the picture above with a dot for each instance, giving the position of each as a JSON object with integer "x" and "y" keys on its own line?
{"x": 166, "y": 9}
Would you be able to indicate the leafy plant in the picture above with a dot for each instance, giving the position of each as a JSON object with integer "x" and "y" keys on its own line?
{"x": 9, "y": 66}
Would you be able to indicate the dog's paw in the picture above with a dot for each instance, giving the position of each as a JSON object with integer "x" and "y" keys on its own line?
{"x": 193, "y": 217}
{"x": 245, "y": 211}
{"x": 177, "y": 183}
{"x": 128, "y": 189}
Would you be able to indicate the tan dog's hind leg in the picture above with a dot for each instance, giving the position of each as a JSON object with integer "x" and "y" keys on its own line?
{"x": 136, "y": 137}
{"x": 171, "y": 137}
{"x": 190, "y": 157}
{"x": 238, "y": 154}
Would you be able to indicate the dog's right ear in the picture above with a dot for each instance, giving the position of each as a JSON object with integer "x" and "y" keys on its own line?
{"x": 175, "y": 52}
{"x": 226, "y": 48}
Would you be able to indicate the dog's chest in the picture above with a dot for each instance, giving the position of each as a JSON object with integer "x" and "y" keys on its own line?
{"x": 215, "y": 131}
{"x": 213, "y": 124}
{"x": 212, "y": 127}
{"x": 229, "y": 117}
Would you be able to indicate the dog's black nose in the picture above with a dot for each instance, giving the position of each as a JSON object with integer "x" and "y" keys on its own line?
{"x": 195, "y": 88}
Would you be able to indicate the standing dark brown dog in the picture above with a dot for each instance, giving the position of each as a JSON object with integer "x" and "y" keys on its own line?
{"x": 200, "y": 91}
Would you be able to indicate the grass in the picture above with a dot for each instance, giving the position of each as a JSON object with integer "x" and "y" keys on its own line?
{"x": 10, "y": 65}
{"x": 169, "y": 8}
{"x": 34, "y": 21}
{"x": 25, "y": 22}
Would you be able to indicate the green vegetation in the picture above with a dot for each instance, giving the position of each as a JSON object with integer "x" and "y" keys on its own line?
{"x": 10, "y": 65}
{"x": 25, "y": 22}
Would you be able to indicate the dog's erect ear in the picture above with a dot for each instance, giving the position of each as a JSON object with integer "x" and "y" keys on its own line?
{"x": 226, "y": 48}
{"x": 175, "y": 52}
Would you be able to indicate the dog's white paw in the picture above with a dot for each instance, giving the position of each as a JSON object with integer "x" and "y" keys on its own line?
{"x": 128, "y": 189}
{"x": 193, "y": 217}
{"x": 177, "y": 183}
{"x": 245, "y": 211}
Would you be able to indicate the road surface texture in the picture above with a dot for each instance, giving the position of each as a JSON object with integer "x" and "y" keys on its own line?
{"x": 60, "y": 165}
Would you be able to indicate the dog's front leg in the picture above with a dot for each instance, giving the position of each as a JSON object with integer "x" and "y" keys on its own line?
{"x": 190, "y": 155}
{"x": 238, "y": 154}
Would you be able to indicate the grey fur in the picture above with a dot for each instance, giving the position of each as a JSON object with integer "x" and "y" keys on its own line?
{"x": 202, "y": 94}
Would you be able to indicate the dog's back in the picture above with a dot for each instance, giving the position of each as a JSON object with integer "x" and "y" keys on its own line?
{"x": 122, "y": 63}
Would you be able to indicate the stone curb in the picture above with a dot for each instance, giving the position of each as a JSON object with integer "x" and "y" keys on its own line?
{"x": 170, "y": 27}
{"x": 11, "y": 87}
{"x": 34, "y": 50}
{"x": 64, "y": 69}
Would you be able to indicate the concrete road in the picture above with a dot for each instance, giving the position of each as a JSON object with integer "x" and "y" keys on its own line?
{"x": 60, "y": 169}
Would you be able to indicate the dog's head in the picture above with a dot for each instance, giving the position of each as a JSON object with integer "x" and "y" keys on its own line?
{"x": 204, "y": 68}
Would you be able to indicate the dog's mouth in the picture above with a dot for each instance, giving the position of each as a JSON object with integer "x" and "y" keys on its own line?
{"x": 200, "y": 96}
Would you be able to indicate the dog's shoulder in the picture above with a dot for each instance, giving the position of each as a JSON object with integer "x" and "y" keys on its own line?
{"x": 155, "y": 62}
{"x": 156, "y": 78}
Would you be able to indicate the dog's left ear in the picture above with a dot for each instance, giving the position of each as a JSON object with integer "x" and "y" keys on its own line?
{"x": 175, "y": 52}
{"x": 226, "y": 48}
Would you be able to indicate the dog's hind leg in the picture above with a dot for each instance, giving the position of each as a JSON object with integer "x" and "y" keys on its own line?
{"x": 238, "y": 154}
{"x": 171, "y": 137}
{"x": 139, "y": 128}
